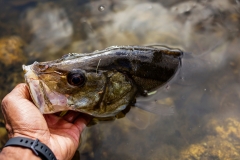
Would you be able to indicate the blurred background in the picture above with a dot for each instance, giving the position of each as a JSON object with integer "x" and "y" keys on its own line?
{"x": 205, "y": 93}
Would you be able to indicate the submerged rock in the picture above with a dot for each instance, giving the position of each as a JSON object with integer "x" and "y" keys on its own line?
{"x": 221, "y": 144}
{"x": 11, "y": 51}
{"x": 12, "y": 56}
{"x": 50, "y": 27}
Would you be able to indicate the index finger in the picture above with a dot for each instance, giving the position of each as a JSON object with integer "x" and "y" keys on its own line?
{"x": 16, "y": 97}
{"x": 19, "y": 92}
{"x": 17, "y": 104}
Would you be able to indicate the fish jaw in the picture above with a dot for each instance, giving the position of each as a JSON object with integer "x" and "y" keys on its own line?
{"x": 46, "y": 100}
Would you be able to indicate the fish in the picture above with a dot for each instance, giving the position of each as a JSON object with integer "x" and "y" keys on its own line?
{"x": 101, "y": 83}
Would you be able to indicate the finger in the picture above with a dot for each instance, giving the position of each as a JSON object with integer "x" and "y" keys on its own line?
{"x": 18, "y": 111}
{"x": 21, "y": 91}
{"x": 71, "y": 116}
{"x": 16, "y": 99}
{"x": 81, "y": 121}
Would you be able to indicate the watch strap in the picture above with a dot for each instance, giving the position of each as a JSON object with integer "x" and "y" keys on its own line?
{"x": 36, "y": 146}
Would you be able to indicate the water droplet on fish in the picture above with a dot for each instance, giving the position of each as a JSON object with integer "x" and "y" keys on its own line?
{"x": 101, "y": 8}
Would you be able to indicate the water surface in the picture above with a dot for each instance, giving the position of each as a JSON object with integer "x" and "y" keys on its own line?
{"x": 204, "y": 95}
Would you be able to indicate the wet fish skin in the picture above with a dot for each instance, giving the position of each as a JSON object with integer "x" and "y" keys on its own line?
{"x": 150, "y": 64}
{"x": 149, "y": 67}
{"x": 114, "y": 77}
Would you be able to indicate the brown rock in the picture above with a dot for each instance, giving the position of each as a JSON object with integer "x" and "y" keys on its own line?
{"x": 11, "y": 51}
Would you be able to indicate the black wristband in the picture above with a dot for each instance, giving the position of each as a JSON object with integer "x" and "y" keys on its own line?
{"x": 37, "y": 147}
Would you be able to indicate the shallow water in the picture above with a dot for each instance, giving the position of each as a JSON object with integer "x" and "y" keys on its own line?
{"x": 204, "y": 95}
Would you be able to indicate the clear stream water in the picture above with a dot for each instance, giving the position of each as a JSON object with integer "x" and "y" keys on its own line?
{"x": 204, "y": 95}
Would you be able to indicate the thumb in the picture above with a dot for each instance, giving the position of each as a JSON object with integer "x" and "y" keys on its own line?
{"x": 19, "y": 112}
{"x": 21, "y": 91}
{"x": 17, "y": 100}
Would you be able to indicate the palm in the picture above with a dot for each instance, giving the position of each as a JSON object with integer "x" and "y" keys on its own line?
{"x": 63, "y": 134}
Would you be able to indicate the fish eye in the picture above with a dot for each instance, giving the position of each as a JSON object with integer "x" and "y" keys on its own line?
{"x": 76, "y": 78}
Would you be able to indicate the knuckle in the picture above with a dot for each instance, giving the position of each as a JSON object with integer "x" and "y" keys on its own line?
{"x": 11, "y": 97}
{"x": 9, "y": 129}
{"x": 21, "y": 85}
{"x": 7, "y": 100}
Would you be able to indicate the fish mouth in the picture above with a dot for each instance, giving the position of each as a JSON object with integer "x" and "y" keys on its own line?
{"x": 46, "y": 100}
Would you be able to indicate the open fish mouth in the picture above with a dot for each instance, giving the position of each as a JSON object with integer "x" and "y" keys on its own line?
{"x": 46, "y": 100}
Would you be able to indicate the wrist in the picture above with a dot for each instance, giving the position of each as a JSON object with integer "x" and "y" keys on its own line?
{"x": 38, "y": 148}
{"x": 16, "y": 152}
{"x": 36, "y": 135}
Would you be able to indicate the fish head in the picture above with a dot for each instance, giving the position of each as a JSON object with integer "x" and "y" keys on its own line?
{"x": 70, "y": 85}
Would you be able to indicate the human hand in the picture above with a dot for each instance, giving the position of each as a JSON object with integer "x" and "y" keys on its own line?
{"x": 23, "y": 119}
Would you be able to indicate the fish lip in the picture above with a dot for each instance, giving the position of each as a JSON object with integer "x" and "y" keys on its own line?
{"x": 36, "y": 94}
{"x": 40, "y": 93}
{"x": 29, "y": 68}
{"x": 33, "y": 82}
{"x": 34, "y": 68}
